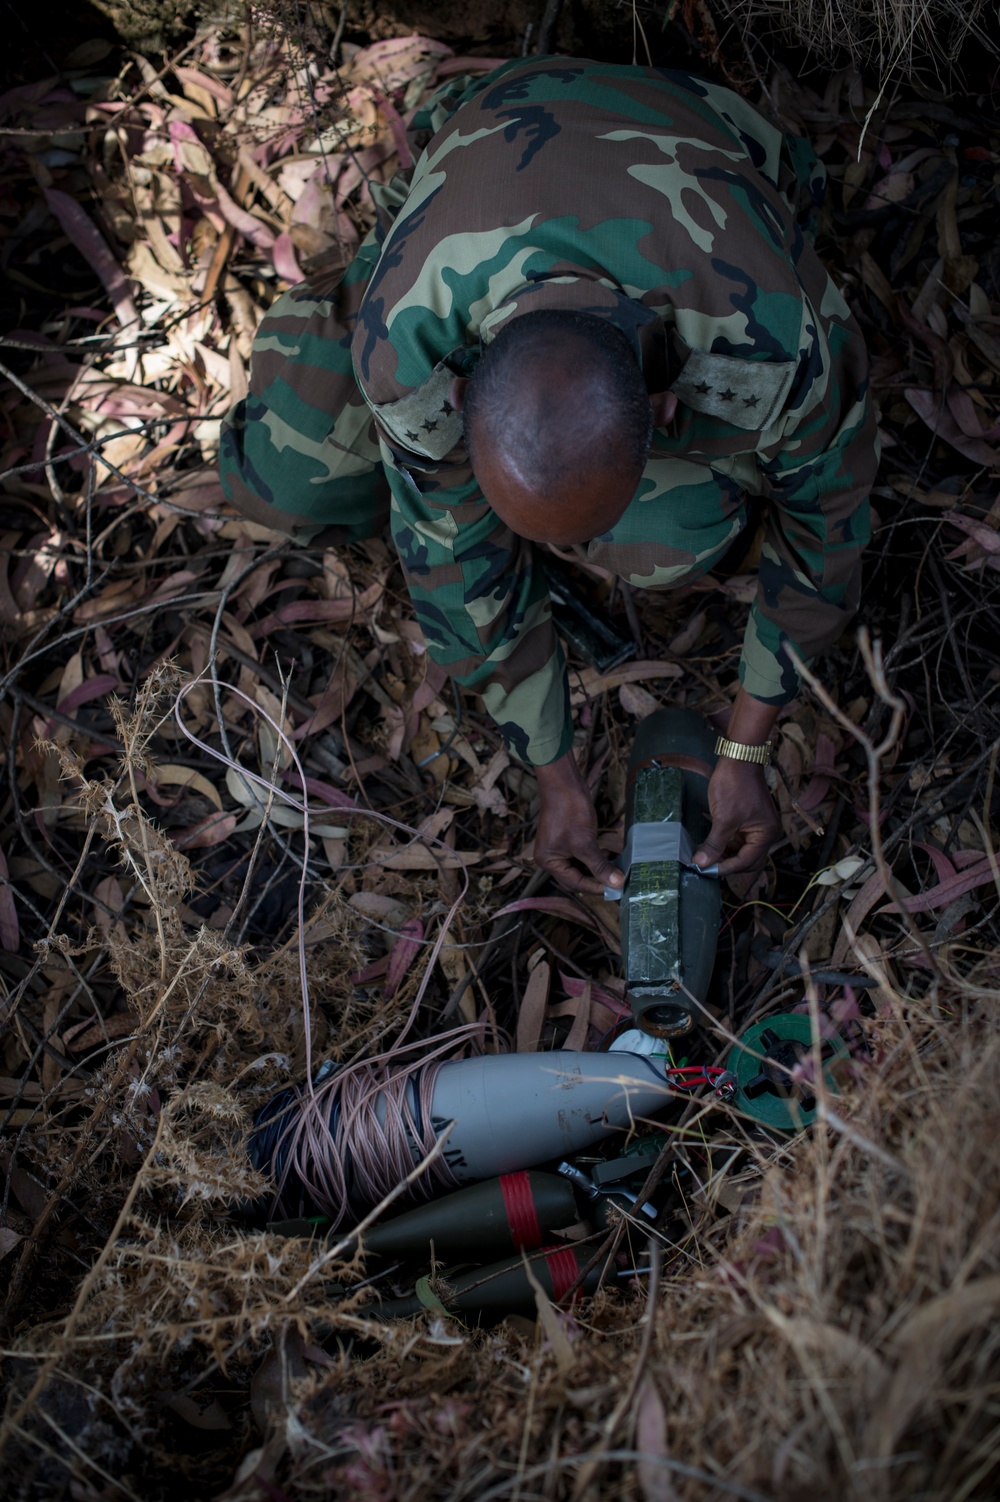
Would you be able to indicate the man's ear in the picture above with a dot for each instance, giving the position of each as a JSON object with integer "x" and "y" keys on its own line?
{"x": 664, "y": 405}
{"x": 456, "y": 393}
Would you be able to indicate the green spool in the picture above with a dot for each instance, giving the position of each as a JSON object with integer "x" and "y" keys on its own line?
{"x": 761, "y": 1063}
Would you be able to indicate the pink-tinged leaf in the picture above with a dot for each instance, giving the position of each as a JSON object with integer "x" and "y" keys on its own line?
{"x": 205, "y": 81}
{"x": 173, "y": 585}
{"x": 285, "y": 262}
{"x": 946, "y": 891}
{"x": 248, "y": 224}
{"x": 559, "y": 907}
{"x": 469, "y": 65}
{"x": 211, "y": 830}
{"x": 10, "y": 932}
{"x": 573, "y": 986}
{"x": 977, "y": 531}
{"x": 940, "y": 421}
{"x": 330, "y": 705}
{"x": 965, "y": 412}
{"x": 91, "y": 245}
{"x": 8, "y": 1240}
{"x": 655, "y": 1481}
{"x": 404, "y": 952}
{"x": 846, "y": 1008}
{"x": 531, "y": 1016}
{"x": 381, "y": 52}
{"x": 299, "y": 612}
{"x": 434, "y": 681}
{"x": 371, "y": 973}
{"x": 942, "y": 865}
{"x": 856, "y": 914}
{"x": 332, "y": 797}
{"x": 32, "y": 93}
{"x": 772, "y": 1244}
{"x": 818, "y": 785}
{"x": 90, "y": 688}
{"x": 181, "y": 130}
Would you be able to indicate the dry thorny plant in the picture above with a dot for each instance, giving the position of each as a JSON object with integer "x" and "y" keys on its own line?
{"x": 822, "y": 1320}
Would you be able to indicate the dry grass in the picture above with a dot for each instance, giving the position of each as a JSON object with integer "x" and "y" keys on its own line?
{"x": 894, "y": 39}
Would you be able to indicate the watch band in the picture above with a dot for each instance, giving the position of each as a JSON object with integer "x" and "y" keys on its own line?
{"x": 759, "y": 755}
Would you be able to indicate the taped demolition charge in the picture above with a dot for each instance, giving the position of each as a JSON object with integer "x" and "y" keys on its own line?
{"x": 511, "y": 1111}
{"x": 763, "y": 1062}
{"x": 487, "y": 1294}
{"x": 670, "y": 910}
{"x": 492, "y": 1219}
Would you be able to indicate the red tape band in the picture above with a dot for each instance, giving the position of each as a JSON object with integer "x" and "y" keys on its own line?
{"x": 522, "y": 1213}
{"x": 563, "y": 1270}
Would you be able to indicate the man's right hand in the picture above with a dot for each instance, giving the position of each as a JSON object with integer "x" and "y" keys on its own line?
{"x": 566, "y": 842}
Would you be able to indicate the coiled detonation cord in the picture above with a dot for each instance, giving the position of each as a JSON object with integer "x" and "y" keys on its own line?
{"x": 346, "y": 1139}
{"x": 341, "y": 1148}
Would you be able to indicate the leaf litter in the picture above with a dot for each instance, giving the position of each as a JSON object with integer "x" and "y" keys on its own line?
{"x": 819, "y": 1314}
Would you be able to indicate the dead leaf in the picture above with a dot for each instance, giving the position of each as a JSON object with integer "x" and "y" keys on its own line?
{"x": 187, "y": 777}
{"x": 8, "y": 1240}
{"x": 562, "y": 1346}
{"x": 576, "y": 1038}
{"x": 531, "y": 1015}
{"x": 210, "y": 1415}
{"x": 10, "y": 932}
{"x": 637, "y": 701}
{"x": 938, "y": 418}
{"x": 405, "y": 950}
{"x": 655, "y": 1481}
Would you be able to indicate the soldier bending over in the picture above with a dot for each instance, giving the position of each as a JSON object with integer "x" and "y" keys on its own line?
{"x": 589, "y": 314}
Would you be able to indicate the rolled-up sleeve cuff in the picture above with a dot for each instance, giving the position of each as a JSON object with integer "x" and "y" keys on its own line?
{"x": 534, "y": 716}
{"x": 766, "y": 673}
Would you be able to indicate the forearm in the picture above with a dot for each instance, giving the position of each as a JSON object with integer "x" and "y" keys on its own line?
{"x": 751, "y": 721}
{"x": 561, "y": 773}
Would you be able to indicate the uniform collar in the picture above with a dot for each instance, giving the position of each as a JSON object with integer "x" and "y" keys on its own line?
{"x": 642, "y": 327}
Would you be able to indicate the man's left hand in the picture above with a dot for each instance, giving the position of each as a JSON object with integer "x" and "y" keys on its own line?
{"x": 744, "y": 818}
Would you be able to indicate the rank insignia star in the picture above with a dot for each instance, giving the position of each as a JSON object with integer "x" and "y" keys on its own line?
{"x": 750, "y": 401}
{"x": 445, "y": 408}
{"x": 727, "y": 395}
{"x": 411, "y": 435}
{"x": 429, "y": 426}
{"x": 703, "y": 388}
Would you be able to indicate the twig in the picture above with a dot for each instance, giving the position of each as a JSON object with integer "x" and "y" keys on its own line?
{"x": 627, "y": 1397}
{"x": 871, "y": 655}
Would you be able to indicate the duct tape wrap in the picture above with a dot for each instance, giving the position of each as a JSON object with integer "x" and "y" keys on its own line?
{"x": 651, "y": 844}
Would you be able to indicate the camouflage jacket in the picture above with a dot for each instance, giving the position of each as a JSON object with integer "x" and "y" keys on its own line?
{"x": 653, "y": 199}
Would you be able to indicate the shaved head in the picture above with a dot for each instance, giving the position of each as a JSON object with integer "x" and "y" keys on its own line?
{"x": 558, "y": 424}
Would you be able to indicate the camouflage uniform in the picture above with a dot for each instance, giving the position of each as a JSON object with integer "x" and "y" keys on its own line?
{"x": 653, "y": 199}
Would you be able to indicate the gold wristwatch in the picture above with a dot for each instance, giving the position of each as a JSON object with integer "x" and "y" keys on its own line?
{"x": 759, "y": 755}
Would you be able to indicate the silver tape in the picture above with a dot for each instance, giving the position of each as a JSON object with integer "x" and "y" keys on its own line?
{"x": 649, "y": 844}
